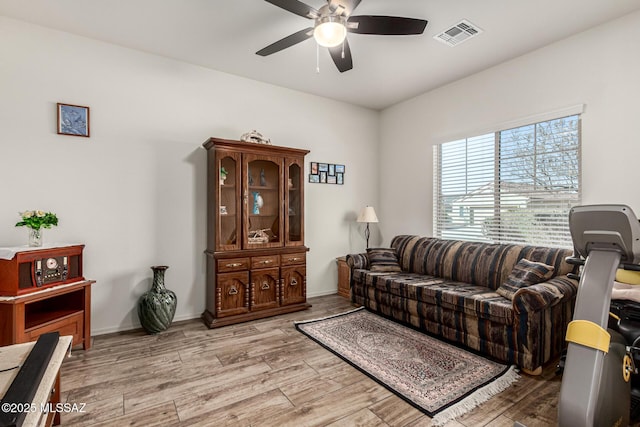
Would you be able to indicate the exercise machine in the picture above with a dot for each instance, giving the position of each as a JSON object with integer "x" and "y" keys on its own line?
{"x": 595, "y": 388}
{"x": 625, "y": 318}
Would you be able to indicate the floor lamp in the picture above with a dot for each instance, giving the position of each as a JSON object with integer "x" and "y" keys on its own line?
{"x": 367, "y": 215}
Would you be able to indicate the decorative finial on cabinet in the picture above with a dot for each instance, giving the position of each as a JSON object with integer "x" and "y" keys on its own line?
{"x": 255, "y": 137}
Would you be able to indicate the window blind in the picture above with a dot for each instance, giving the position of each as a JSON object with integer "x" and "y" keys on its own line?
{"x": 510, "y": 186}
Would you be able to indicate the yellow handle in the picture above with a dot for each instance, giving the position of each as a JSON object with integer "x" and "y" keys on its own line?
{"x": 588, "y": 334}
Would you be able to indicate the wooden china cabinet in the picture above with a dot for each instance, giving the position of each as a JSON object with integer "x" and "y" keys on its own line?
{"x": 256, "y": 257}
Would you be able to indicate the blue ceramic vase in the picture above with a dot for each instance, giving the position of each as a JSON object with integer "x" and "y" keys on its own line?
{"x": 258, "y": 202}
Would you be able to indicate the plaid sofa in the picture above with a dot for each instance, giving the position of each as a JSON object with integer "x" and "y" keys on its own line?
{"x": 448, "y": 288}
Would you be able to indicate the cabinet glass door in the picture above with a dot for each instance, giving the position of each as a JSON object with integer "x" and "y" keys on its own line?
{"x": 263, "y": 201}
{"x": 294, "y": 226}
{"x": 228, "y": 202}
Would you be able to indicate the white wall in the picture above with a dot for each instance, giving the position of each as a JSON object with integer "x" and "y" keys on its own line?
{"x": 598, "y": 68}
{"x": 134, "y": 192}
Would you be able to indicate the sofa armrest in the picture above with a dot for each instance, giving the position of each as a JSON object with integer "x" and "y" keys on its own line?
{"x": 355, "y": 261}
{"x": 546, "y": 294}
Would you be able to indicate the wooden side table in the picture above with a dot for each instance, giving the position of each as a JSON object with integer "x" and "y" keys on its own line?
{"x": 344, "y": 277}
{"x": 64, "y": 308}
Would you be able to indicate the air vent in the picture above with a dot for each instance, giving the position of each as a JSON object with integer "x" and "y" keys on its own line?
{"x": 459, "y": 33}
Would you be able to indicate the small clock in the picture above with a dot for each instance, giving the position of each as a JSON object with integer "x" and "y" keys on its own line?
{"x": 52, "y": 263}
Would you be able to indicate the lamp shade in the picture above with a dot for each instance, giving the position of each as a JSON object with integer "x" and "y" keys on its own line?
{"x": 330, "y": 32}
{"x": 367, "y": 214}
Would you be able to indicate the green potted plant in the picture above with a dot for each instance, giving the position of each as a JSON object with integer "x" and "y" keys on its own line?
{"x": 223, "y": 175}
{"x": 36, "y": 220}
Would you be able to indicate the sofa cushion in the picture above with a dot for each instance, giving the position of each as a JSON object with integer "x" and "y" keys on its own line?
{"x": 477, "y": 301}
{"x": 525, "y": 273}
{"x": 410, "y": 286}
{"x": 383, "y": 260}
{"x": 483, "y": 264}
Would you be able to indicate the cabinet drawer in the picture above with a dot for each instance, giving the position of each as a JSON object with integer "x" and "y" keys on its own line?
{"x": 264, "y": 261}
{"x": 293, "y": 259}
{"x": 71, "y": 324}
{"x": 233, "y": 264}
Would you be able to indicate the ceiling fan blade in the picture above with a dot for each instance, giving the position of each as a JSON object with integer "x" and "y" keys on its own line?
{"x": 286, "y": 42}
{"x": 348, "y": 5}
{"x": 385, "y": 25}
{"x": 297, "y": 7}
{"x": 343, "y": 63}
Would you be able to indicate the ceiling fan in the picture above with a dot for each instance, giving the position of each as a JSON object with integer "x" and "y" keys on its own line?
{"x": 333, "y": 21}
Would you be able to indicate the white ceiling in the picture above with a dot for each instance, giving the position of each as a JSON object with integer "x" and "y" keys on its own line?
{"x": 224, "y": 35}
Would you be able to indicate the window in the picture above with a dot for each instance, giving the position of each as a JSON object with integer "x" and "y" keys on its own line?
{"x": 512, "y": 186}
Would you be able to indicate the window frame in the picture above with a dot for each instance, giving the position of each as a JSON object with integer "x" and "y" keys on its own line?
{"x": 570, "y": 196}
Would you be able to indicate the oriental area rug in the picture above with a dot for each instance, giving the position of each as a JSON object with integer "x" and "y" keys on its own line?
{"x": 440, "y": 379}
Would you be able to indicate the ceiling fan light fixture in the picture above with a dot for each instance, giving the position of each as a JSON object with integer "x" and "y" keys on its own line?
{"x": 333, "y": 21}
{"x": 330, "y": 31}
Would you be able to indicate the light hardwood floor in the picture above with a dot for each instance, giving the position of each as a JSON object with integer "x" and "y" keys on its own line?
{"x": 259, "y": 373}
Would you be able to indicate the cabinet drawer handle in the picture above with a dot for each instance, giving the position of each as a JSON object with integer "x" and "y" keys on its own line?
{"x": 234, "y": 264}
{"x": 265, "y": 286}
{"x": 233, "y": 291}
{"x": 268, "y": 261}
{"x": 294, "y": 259}
{"x": 294, "y": 282}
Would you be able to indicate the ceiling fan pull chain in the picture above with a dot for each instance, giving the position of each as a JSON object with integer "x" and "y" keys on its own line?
{"x": 317, "y": 59}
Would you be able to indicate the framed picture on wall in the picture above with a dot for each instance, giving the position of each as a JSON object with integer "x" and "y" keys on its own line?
{"x": 326, "y": 173}
{"x": 73, "y": 120}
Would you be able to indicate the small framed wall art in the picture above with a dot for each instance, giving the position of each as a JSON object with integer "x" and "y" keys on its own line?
{"x": 326, "y": 173}
{"x": 73, "y": 120}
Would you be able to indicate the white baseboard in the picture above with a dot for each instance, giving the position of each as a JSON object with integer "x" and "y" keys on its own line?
{"x": 130, "y": 327}
{"x": 322, "y": 293}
